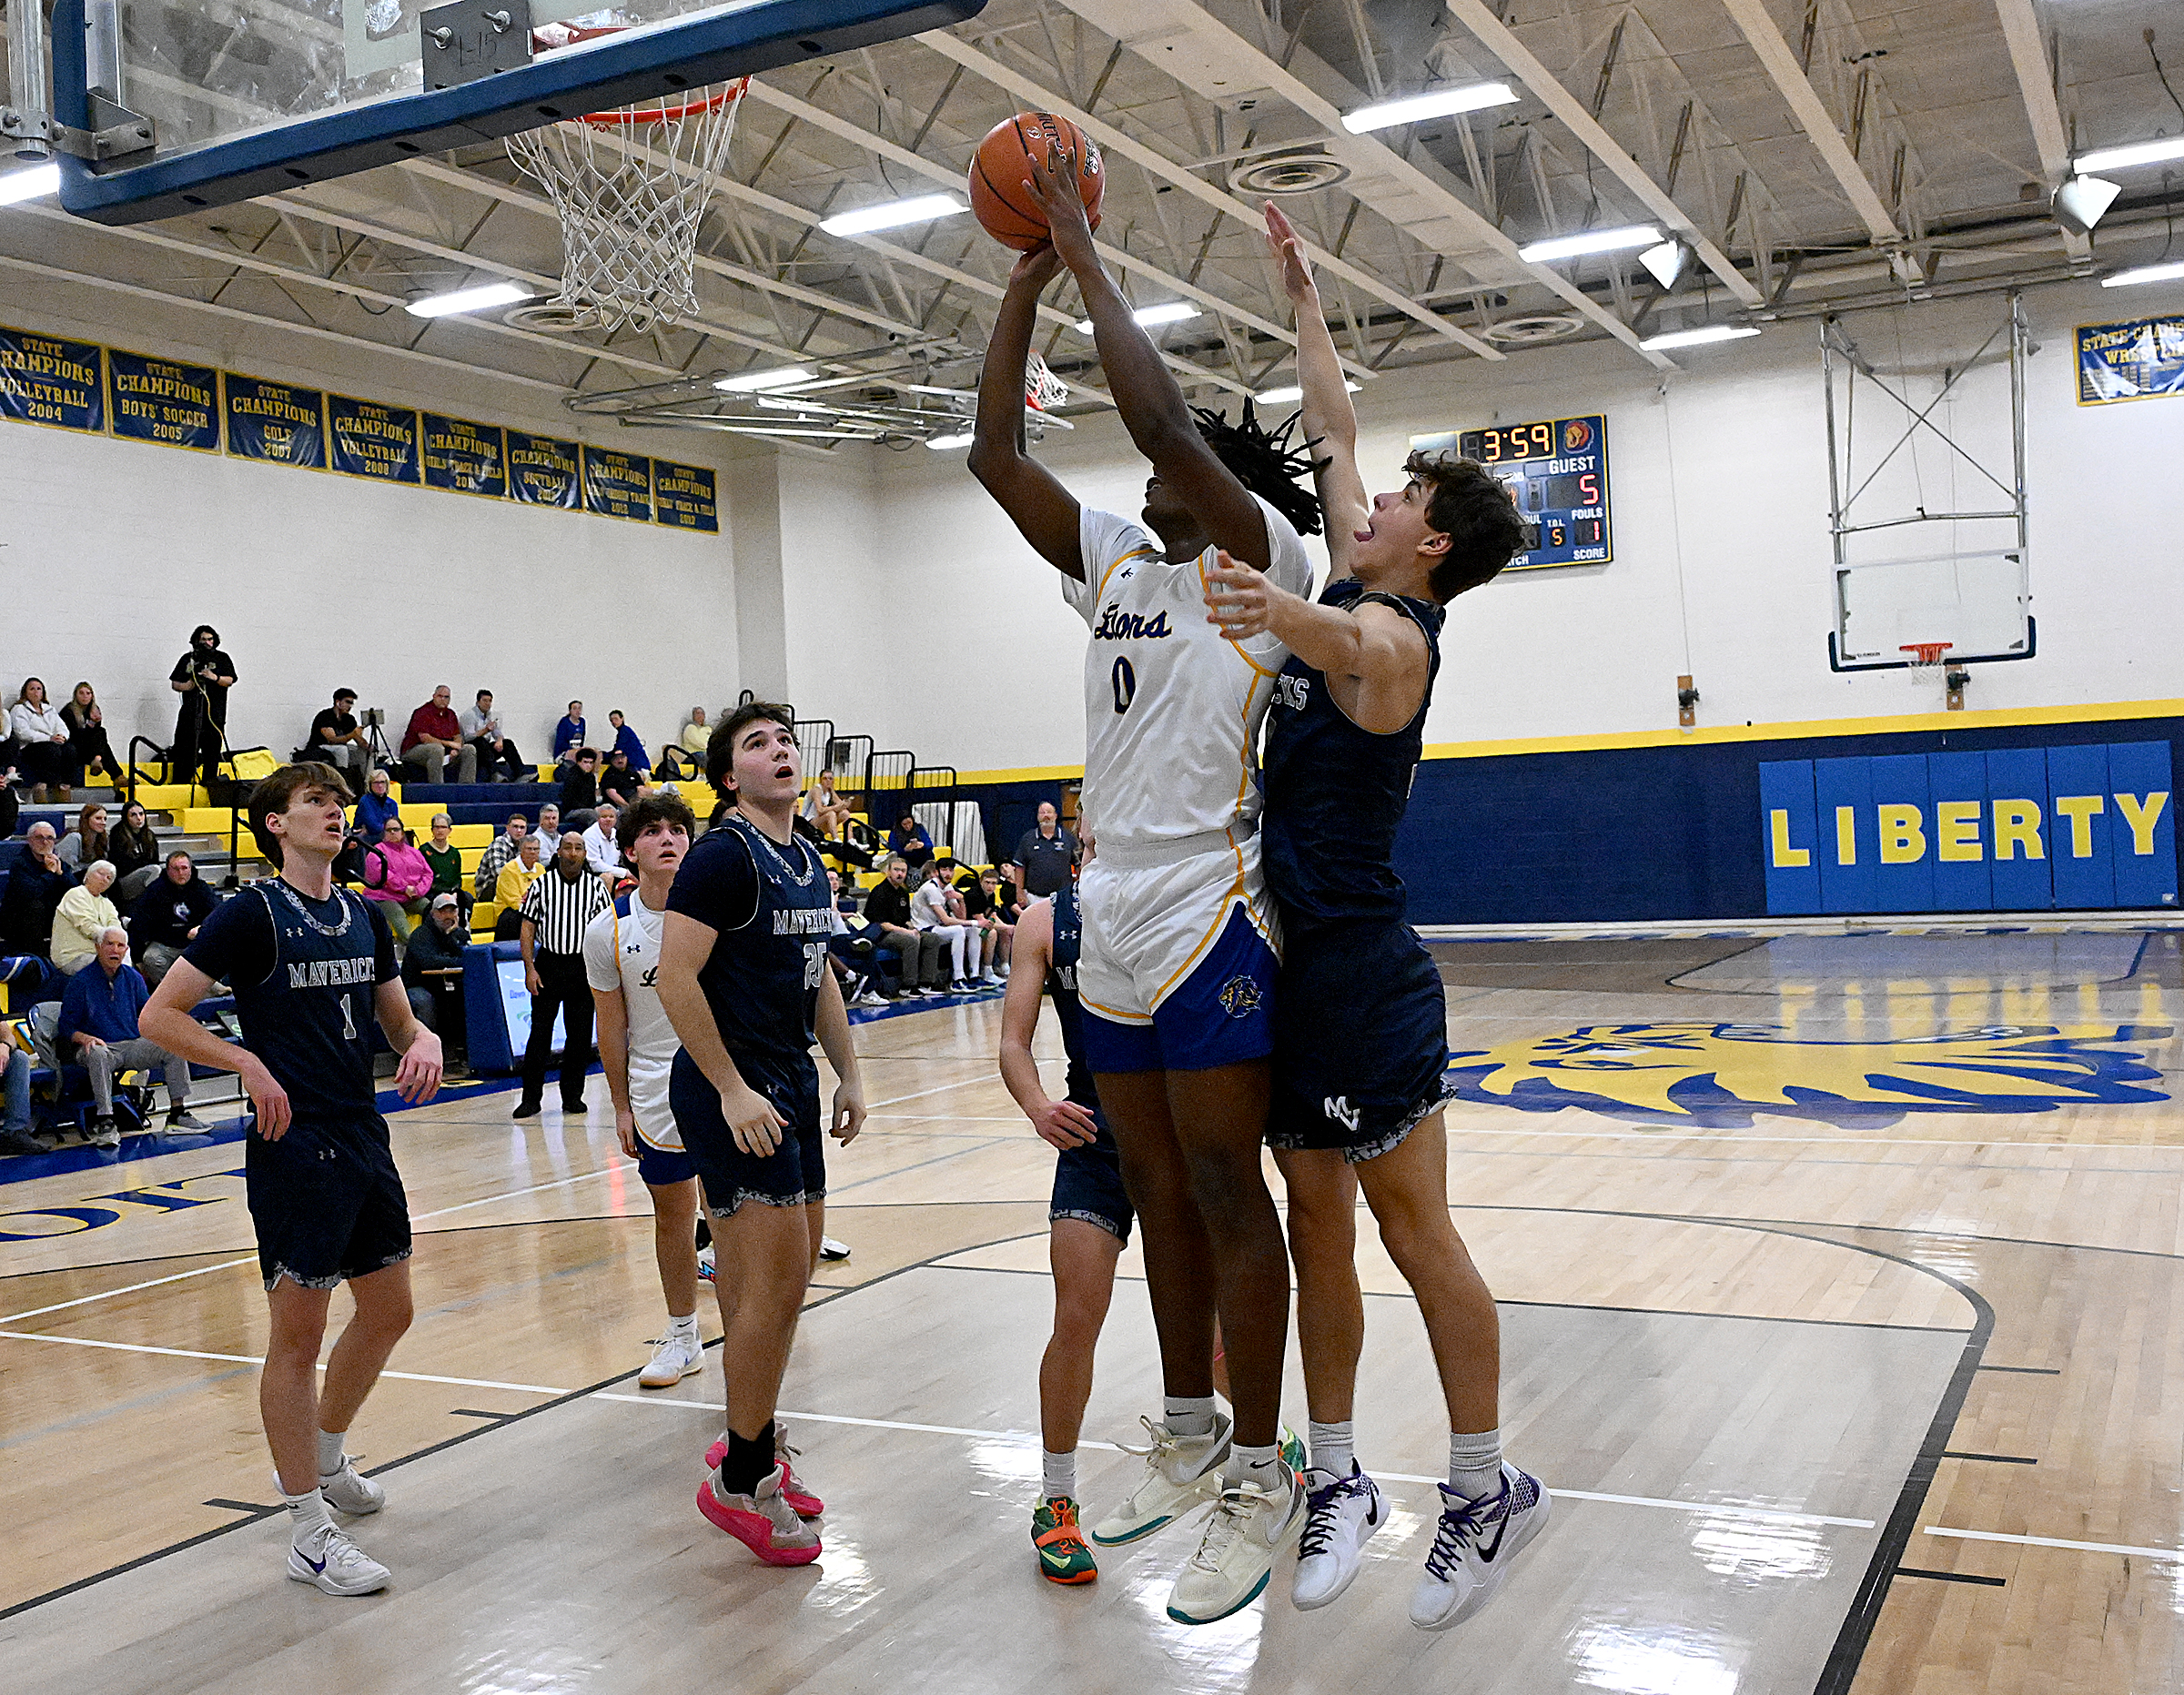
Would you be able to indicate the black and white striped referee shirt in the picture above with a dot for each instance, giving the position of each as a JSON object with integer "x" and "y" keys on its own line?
{"x": 561, "y": 906}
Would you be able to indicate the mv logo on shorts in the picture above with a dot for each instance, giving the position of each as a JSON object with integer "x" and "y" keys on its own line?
{"x": 1240, "y": 997}
{"x": 1292, "y": 692}
{"x": 1342, "y": 1113}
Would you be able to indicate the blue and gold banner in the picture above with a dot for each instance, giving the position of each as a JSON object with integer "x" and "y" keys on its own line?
{"x": 682, "y": 497}
{"x": 274, "y": 421}
{"x": 544, "y": 471}
{"x": 176, "y": 405}
{"x": 469, "y": 458}
{"x": 618, "y": 485}
{"x": 2141, "y": 360}
{"x": 2009, "y": 830}
{"x": 367, "y": 440}
{"x": 46, "y": 380}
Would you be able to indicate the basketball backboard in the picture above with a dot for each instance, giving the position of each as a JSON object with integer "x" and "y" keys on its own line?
{"x": 1979, "y": 604}
{"x": 247, "y": 98}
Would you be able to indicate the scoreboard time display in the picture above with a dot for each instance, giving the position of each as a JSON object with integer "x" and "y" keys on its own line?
{"x": 1557, "y": 472}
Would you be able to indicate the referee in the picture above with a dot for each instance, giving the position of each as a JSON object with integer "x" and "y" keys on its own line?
{"x": 555, "y": 910}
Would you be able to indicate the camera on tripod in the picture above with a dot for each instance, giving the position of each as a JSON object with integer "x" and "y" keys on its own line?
{"x": 373, "y": 717}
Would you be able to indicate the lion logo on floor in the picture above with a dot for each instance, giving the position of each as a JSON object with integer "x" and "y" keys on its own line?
{"x": 1718, "y": 1075}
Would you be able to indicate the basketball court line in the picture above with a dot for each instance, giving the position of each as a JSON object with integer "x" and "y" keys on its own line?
{"x": 2169, "y": 1554}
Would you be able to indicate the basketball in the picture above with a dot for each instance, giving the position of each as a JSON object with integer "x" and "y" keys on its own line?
{"x": 998, "y": 170}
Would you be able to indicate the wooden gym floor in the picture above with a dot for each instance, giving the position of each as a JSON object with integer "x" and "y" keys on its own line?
{"x": 1843, "y": 1285}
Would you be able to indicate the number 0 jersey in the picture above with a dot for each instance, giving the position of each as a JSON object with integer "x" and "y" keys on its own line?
{"x": 1172, "y": 707}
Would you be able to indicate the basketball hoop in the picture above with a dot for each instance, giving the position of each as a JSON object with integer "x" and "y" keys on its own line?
{"x": 1043, "y": 390}
{"x": 630, "y": 187}
{"x": 1925, "y": 659}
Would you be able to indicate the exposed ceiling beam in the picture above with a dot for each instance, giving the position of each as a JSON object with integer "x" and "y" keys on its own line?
{"x": 1577, "y": 117}
{"x": 1411, "y": 195}
{"x": 2036, "y": 81}
{"x": 1180, "y": 177}
{"x": 1790, "y": 81}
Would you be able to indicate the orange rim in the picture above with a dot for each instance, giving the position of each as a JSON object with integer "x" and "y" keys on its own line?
{"x": 629, "y": 117}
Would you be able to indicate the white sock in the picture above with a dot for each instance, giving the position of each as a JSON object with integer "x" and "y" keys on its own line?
{"x": 308, "y": 1516}
{"x": 1262, "y": 1466}
{"x": 684, "y": 1328}
{"x": 1057, "y": 1476}
{"x": 330, "y": 1451}
{"x": 1332, "y": 1447}
{"x": 1189, "y": 1415}
{"x": 1475, "y": 1463}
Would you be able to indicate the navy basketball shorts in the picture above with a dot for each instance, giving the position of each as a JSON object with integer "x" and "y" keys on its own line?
{"x": 327, "y": 1205}
{"x": 1360, "y": 1046}
{"x": 793, "y": 1174}
{"x": 663, "y": 1167}
{"x": 1088, "y": 1185}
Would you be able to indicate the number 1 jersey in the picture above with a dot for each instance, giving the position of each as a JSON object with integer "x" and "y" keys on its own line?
{"x": 1172, "y": 707}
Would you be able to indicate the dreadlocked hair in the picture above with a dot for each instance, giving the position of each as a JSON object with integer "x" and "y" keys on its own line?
{"x": 1267, "y": 464}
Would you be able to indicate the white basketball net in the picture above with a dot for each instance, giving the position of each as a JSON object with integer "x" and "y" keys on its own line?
{"x": 1043, "y": 390}
{"x": 631, "y": 186}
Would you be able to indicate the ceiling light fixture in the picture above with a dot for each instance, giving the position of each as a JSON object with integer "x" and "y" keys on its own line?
{"x": 2082, "y": 202}
{"x": 1438, "y": 103}
{"x": 1666, "y": 262}
{"x": 468, "y": 300}
{"x": 942, "y": 444}
{"x": 757, "y": 382}
{"x": 1590, "y": 241}
{"x": 17, "y": 186}
{"x": 1167, "y": 312}
{"x": 919, "y": 209}
{"x": 1285, "y": 396}
{"x": 2144, "y": 274}
{"x": 2122, "y": 158}
{"x": 1697, "y": 338}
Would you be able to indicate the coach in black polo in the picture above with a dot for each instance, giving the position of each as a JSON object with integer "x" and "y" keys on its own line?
{"x": 555, "y": 910}
{"x": 1044, "y": 857}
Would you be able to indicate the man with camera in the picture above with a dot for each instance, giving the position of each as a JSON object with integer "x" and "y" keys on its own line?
{"x": 337, "y": 737}
{"x": 202, "y": 677}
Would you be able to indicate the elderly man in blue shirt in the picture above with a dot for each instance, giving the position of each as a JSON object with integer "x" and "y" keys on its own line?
{"x": 98, "y": 1031}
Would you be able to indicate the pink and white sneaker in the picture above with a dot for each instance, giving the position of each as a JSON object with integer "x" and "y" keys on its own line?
{"x": 762, "y": 1521}
{"x": 807, "y": 1505}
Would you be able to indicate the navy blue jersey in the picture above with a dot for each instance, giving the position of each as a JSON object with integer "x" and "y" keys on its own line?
{"x": 1335, "y": 794}
{"x": 304, "y": 972}
{"x": 770, "y": 909}
{"x": 1061, "y": 983}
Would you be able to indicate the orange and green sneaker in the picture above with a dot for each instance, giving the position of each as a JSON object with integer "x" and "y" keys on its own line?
{"x": 1063, "y": 1556}
{"x": 1292, "y": 1453}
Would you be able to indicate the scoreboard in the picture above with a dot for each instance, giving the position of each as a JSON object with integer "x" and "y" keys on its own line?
{"x": 1556, "y": 471}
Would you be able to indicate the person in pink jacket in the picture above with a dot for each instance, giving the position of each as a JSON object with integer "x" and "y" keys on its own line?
{"x": 398, "y": 875}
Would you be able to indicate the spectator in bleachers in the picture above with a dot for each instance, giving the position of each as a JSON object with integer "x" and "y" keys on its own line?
{"x": 87, "y": 737}
{"x": 87, "y": 841}
{"x": 826, "y": 810}
{"x": 909, "y": 839}
{"x": 202, "y": 677}
{"x": 11, "y": 804}
{"x": 166, "y": 915}
{"x": 335, "y": 736}
{"x": 983, "y": 905}
{"x": 580, "y": 783}
{"x": 498, "y": 853}
{"x": 98, "y": 1031}
{"x": 569, "y": 735}
{"x": 626, "y": 740}
{"x": 432, "y": 972}
{"x": 621, "y": 782}
{"x": 36, "y": 882}
{"x": 603, "y": 853}
{"x": 930, "y": 912}
{"x": 434, "y": 732}
{"x": 397, "y": 875}
{"x": 375, "y": 806}
{"x": 14, "y": 1093}
{"x": 134, "y": 845}
{"x": 685, "y": 756}
{"x": 41, "y": 737}
{"x": 549, "y": 831}
{"x": 515, "y": 877}
{"x": 889, "y": 922}
{"x": 498, "y": 760}
{"x": 84, "y": 913}
{"x": 853, "y": 954}
{"x": 445, "y": 858}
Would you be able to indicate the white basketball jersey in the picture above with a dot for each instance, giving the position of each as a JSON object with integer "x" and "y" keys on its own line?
{"x": 624, "y": 954}
{"x": 1172, "y": 706}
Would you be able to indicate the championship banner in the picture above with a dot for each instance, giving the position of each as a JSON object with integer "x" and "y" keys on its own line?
{"x": 469, "y": 458}
{"x": 371, "y": 440}
{"x": 2142, "y": 360}
{"x": 274, "y": 421}
{"x": 176, "y": 405}
{"x": 683, "y": 499}
{"x": 544, "y": 471}
{"x": 45, "y": 380}
{"x": 618, "y": 485}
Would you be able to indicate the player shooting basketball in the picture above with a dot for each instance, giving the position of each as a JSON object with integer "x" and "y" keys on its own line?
{"x": 1177, "y": 971}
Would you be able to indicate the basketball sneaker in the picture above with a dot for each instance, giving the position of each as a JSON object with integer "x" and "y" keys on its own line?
{"x": 349, "y": 1491}
{"x": 807, "y": 1504}
{"x": 705, "y": 1262}
{"x": 1341, "y": 1515}
{"x": 1182, "y": 1474}
{"x": 676, "y": 1358}
{"x": 1250, "y": 1528}
{"x": 1474, "y": 1547}
{"x": 1063, "y": 1556}
{"x": 762, "y": 1521}
{"x": 328, "y": 1560}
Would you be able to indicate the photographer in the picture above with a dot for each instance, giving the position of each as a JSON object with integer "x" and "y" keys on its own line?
{"x": 202, "y": 677}
{"x": 337, "y": 737}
